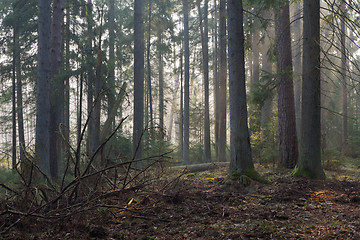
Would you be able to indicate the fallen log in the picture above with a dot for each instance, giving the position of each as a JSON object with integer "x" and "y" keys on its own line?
{"x": 201, "y": 167}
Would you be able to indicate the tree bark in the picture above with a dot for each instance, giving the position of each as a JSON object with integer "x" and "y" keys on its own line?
{"x": 186, "y": 84}
{"x": 288, "y": 145}
{"x": 297, "y": 63}
{"x": 309, "y": 164}
{"x": 138, "y": 79}
{"x": 222, "y": 83}
{"x": 240, "y": 150}
{"x": 43, "y": 88}
{"x": 56, "y": 88}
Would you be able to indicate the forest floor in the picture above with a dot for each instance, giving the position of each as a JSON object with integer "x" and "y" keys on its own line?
{"x": 205, "y": 205}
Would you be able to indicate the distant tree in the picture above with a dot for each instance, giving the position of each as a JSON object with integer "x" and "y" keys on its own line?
{"x": 240, "y": 150}
{"x": 309, "y": 164}
{"x": 288, "y": 145}
{"x": 43, "y": 88}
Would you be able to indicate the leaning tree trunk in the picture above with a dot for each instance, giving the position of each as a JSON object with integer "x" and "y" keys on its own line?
{"x": 309, "y": 164}
{"x": 43, "y": 88}
{"x": 288, "y": 145}
{"x": 240, "y": 150}
{"x": 186, "y": 113}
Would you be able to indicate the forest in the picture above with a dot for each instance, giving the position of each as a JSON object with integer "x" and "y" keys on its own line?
{"x": 179, "y": 119}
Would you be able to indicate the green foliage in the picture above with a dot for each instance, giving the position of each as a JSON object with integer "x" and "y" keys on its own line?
{"x": 196, "y": 154}
{"x": 8, "y": 178}
{"x": 263, "y": 89}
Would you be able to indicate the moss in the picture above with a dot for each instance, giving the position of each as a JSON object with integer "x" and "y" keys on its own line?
{"x": 298, "y": 172}
{"x": 247, "y": 176}
{"x": 253, "y": 174}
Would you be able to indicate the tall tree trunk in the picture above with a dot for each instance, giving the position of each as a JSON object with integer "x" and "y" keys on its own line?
{"x": 161, "y": 82}
{"x": 19, "y": 96}
{"x": 297, "y": 63}
{"x": 288, "y": 145}
{"x": 222, "y": 83}
{"x": 343, "y": 77}
{"x": 95, "y": 138}
{"x": 216, "y": 82}
{"x": 67, "y": 81}
{"x": 205, "y": 56}
{"x": 240, "y": 150}
{"x": 111, "y": 79}
{"x": 149, "y": 68}
{"x": 310, "y": 147}
{"x": 186, "y": 84}
{"x": 43, "y": 88}
{"x": 90, "y": 73}
{"x": 13, "y": 157}
{"x": 181, "y": 124}
{"x": 138, "y": 78}
{"x": 56, "y": 88}
{"x": 79, "y": 127}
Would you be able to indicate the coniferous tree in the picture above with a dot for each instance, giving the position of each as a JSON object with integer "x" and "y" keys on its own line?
{"x": 309, "y": 164}
{"x": 138, "y": 78}
{"x": 222, "y": 83}
{"x": 205, "y": 56}
{"x": 240, "y": 150}
{"x": 43, "y": 88}
{"x": 288, "y": 145}
{"x": 56, "y": 88}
